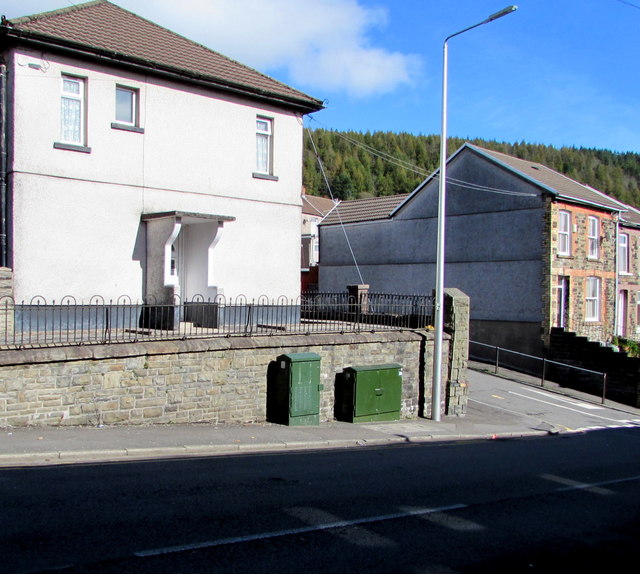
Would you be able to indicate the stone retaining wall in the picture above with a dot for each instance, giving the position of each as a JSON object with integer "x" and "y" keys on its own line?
{"x": 219, "y": 380}
{"x": 212, "y": 380}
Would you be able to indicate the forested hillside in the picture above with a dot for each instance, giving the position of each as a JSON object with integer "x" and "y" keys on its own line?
{"x": 385, "y": 163}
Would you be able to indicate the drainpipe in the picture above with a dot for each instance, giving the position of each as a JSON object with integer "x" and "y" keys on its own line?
{"x": 3, "y": 164}
{"x": 617, "y": 281}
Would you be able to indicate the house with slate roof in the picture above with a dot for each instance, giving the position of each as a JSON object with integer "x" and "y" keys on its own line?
{"x": 139, "y": 163}
{"x": 532, "y": 248}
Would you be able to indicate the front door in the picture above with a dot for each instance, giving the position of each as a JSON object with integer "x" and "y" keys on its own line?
{"x": 623, "y": 301}
{"x": 562, "y": 302}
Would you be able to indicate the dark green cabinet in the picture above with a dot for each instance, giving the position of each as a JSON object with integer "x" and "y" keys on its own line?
{"x": 369, "y": 393}
{"x": 293, "y": 390}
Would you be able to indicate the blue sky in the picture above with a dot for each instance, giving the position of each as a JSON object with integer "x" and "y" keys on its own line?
{"x": 556, "y": 72}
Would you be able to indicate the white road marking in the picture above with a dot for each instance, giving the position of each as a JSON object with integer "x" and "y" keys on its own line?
{"x": 579, "y": 403}
{"x": 594, "y": 486}
{"x": 563, "y": 407}
{"x": 598, "y": 485}
{"x": 575, "y": 485}
{"x": 294, "y": 531}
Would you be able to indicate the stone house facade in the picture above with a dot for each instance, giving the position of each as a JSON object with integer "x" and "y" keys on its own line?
{"x": 628, "y": 303}
{"x": 581, "y": 282}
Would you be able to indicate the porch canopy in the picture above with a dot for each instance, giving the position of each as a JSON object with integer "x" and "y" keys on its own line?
{"x": 180, "y": 253}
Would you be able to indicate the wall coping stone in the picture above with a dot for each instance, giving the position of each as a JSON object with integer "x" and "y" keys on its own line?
{"x": 121, "y": 350}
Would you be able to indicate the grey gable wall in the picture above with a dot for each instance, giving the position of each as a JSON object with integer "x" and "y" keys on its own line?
{"x": 494, "y": 244}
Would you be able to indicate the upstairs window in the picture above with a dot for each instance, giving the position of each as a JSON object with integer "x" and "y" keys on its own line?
{"x": 593, "y": 237}
{"x": 264, "y": 145}
{"x": 564, "y": 233}
{"x": 127, "y": 110}
{"x": 126, "y": 105}
{"x": 72, "y": 112}
{"x": 623, "y": 253}
{"x": 592, "y": 311}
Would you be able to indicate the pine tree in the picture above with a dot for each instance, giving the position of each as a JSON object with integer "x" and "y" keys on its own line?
{"x": 356, "y": 172}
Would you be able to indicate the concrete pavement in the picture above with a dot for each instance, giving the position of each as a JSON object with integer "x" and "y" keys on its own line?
{"x": 61, "y": 445}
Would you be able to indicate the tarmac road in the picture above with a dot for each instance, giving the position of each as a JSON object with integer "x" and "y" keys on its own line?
{"x": 524, "y": 482}
{"x": 563, "y": 503}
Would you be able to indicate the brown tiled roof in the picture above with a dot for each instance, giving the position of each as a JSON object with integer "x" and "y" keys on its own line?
{"x": 370, "y": 209}
{"x": 561, "y": 185}
{"x": 315, "y": 205}
{"x": 103, "y": 29}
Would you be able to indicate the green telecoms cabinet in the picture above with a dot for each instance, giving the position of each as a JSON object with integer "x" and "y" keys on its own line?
{"x": 369, "y": 393}
{"x": 293, "y": 390}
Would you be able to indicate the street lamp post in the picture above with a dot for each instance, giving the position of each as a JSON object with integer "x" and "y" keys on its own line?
{"x": 442, "y": 188}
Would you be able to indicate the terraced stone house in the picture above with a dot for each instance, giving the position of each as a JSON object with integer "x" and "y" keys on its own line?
{"x": 532, "y": 248}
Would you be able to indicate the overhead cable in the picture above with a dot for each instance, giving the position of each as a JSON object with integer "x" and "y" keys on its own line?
{"x": 337, "y": 208}
{"x": 420, "y": 171}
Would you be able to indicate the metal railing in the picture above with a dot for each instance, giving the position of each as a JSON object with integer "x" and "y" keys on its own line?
{"x": 39, "y": 323}
{"x": 547, "y": 369}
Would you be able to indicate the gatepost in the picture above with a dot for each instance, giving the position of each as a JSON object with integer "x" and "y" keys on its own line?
{"x": 6, "y": 305}
{"x": 456, "y": 324}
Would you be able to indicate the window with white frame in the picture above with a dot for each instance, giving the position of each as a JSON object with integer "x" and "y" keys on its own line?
{"x": 126, "y": 105}
{"x": 623, "y": 253}
{"x": 564, "y": 233}
{"x": 593, "y": 235}
{"x": 592, "y": 311}
{"x": 264, "y": 145}
{"x": 72, "y": 111}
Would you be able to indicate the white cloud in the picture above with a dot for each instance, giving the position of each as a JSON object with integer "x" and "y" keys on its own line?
{"x": 325, "y": 45}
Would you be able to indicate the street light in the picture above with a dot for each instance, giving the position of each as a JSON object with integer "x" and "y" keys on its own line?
{"x": 439, "y": 302}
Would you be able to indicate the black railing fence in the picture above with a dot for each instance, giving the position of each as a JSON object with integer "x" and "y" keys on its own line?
{"x": 546, "y": 370}
{"x": 39, "y": 323}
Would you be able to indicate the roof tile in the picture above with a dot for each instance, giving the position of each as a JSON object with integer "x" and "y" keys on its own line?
{"x": 103, "y": 27}
{"x": 561, "y": 184}
{"x": 370, "y": 209}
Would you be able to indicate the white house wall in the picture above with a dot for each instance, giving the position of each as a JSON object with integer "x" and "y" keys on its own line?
{"x": 76, "y": 216}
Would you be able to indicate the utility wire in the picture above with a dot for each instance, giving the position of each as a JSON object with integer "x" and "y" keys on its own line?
{"x": 629, "y": 4}
{"x": 326, "y": 180}
{"x": 420, "y": 171}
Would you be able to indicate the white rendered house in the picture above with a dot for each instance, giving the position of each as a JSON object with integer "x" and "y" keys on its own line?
{"x": 137, "y": 163}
